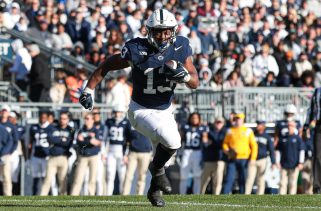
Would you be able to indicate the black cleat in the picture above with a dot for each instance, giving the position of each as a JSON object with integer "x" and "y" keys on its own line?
{"x": 154, "y": 196}
{"x": 161, "y": 182}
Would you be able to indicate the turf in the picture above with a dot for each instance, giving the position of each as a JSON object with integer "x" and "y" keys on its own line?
{"x": 174, "y": 202}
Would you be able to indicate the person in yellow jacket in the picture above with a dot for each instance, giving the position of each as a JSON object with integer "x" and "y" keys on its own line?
{"x": 241, "y": 149}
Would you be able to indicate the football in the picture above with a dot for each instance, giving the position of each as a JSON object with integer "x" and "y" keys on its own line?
{"x": 172, "y": 64}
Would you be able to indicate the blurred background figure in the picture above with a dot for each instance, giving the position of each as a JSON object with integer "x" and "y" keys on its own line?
{"x": 139, "y": 157}
{"x": 194, "y": 135}
{"x": 214, "y": 157}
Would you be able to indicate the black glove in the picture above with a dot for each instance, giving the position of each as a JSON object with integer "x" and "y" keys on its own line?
{"x": 86, "y": 99}
{"x": 178, "y": 75}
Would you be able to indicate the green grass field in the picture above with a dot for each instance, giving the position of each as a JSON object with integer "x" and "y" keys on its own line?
{"x": 173, "y": 202}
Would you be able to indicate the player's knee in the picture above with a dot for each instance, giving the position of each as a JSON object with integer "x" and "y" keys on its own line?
{"x": 170, "y": 140}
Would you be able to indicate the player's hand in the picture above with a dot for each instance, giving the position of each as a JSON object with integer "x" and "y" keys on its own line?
{"x": 231, "y": 154}
{"x": 80, "y": 137}
{"x": 125, "y": 160}
{"x": 175, "y": 71}
{"x": 251, "y": 162}
{"x": 86, "y": 99}
{"x": 95, "y": 142}
{"x": 273, "y": 166}
{"x": 300, "y": 166}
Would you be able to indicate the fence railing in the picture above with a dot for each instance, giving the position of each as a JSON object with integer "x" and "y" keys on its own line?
{"x": 258, "y": 103}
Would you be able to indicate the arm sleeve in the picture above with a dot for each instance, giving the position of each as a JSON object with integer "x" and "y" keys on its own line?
{"x": 311, "y": 109}
{"x": 16, "y": 64}
{"x": 271, "y": 150}
{"x": 254, "y": 147}
{"x": 8, "y": 143}
{"x": 225, "y": 145}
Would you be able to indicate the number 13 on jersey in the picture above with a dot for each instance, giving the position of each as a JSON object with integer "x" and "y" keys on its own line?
{"x": 166, "y": 86}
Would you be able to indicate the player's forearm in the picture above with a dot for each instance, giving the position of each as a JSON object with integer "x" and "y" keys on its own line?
{"x": 96, "y": 77}
{"x": 193, "y": 83}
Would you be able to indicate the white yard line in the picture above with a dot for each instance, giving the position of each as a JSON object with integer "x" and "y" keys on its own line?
{"x": 88, "y": 201}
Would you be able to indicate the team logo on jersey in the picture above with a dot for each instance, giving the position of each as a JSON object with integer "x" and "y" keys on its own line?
{"x": 160, "y": 58}
{"x": 124, "y": 50}
{"x": 143, "y": 53}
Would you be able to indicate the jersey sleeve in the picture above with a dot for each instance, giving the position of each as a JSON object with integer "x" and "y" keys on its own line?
{"x": 126, "y": 52}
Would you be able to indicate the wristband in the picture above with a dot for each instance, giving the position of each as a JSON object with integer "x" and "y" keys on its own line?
{"x": 187, "y": 78}
{"x": 89, "y": 91}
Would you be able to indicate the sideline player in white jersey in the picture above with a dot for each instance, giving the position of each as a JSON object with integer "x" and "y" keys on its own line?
{"x": 158, "y": 63}
{"x": 118, "y": 133}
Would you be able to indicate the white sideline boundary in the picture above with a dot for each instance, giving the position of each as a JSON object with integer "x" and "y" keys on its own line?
{"x": 88, "y": 201}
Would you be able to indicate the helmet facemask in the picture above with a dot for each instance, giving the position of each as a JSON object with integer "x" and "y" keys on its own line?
{"x": 164, "y": 44}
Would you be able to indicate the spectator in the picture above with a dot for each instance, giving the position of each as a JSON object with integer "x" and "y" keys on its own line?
{"x": 257, "y": 171}
{"x": 195, "y": 42}
{"x": 214, "y": 158}
{"x": 302, "y": 65}
{"x": 264, "y": 63}
{"x": 39, "y": 76}
{"x": 247, "y": 65}
{"x": 234, "y": 80}
{"x": 79, "y": 30}
{"x": 88, "y": 144}
{"x": 268, "y": 81}
{"x": 139, "y": 157}
{"x": 75, "y": 82}
{"x": 241, "y": 149}
{"x": 32, "y": 12}
{"x": 22, "y": 64}
{"x": 63, "y": 39}
{"x": 290, "y": 157}
{"x": 58, "y": 91}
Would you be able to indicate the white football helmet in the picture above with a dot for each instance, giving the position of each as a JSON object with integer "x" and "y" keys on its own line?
{"x": 161, "y": 19}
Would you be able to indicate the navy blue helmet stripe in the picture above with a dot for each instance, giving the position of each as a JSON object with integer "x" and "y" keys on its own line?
{"x": 161, "y": 16}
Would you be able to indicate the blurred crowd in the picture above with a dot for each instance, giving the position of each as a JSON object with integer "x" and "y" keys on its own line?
{"x": 235, "y": 43}
{"x": 102, "y": 156}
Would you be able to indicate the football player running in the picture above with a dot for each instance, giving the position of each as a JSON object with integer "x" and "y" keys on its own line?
{"x": 150, "y": 109}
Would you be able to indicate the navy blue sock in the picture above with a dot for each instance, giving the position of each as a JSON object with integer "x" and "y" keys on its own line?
{"x": 162, "y": 155}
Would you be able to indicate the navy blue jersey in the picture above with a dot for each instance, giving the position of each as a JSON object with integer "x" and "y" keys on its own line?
{"x": 6, "y": 142}
{"x": 101, "y": 130}
{"x": 282, "y": 128}
{"x": 85, "y": 148}
{"x": 192, "y": 136}
{"x": 118, "y": 132}
{"x": 12, "y": 130}
{"x": 61, "y": 140}
{"x": 21, "y": 131}
{"x": 39, "y": 137}
{"x": 214, "y": 151}
{"x": 265, "y": 146}
{"x": 138, "y": 142}
{"x": 290, "y": 147}
{"x": 151, "y": 88}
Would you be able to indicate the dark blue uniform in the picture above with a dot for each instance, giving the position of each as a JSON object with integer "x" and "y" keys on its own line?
{"x": 151, "y": 88}
{"x": 40, "y": 138}
{"x": 6, "y": 142}
{"x": 12, "y": 130}
{"x": 265, "y": 145}
{"x": 101, "y": 130}
{"x": 214, "y": 151}
{"x": 139, "y": 142}
{"x": 85, "y": 148}
{"x": 290, "y": 147}
{"x": 61, "y": 140}
{"x": 118, "y": 132}
{"x": 193, "y": 136}
{"x": 282, "y": 128}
